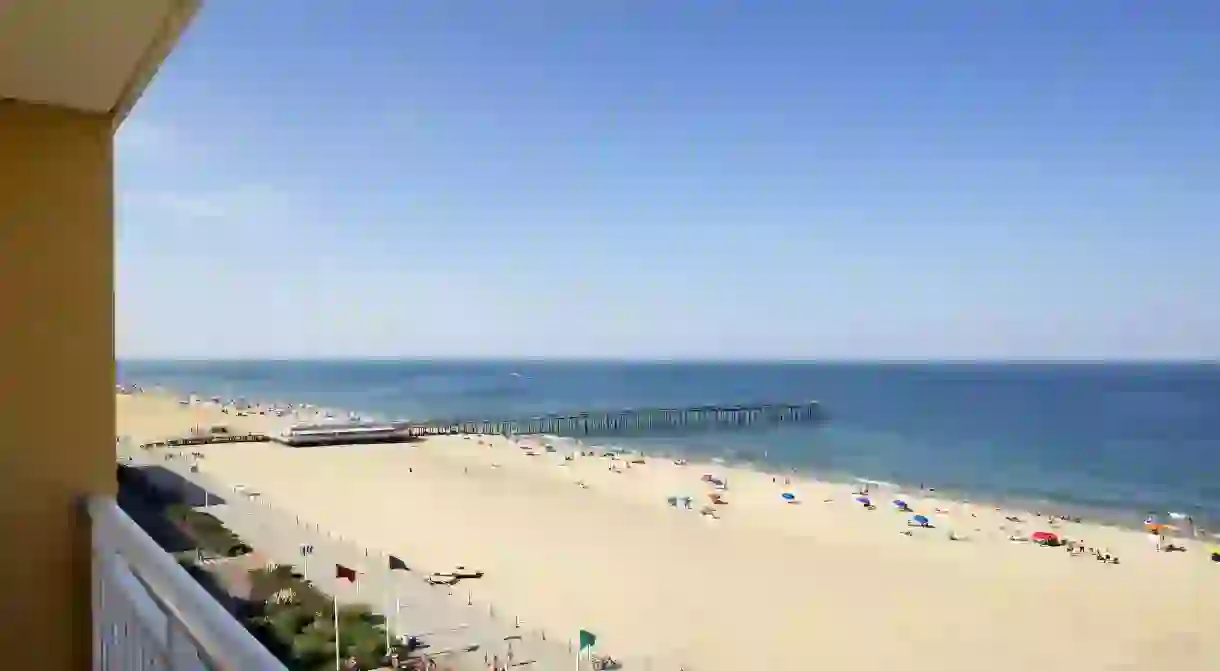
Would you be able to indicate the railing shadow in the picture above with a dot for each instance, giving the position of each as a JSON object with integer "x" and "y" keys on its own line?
{"x": 145, "y": 502}
{"x": 170, "y": 486}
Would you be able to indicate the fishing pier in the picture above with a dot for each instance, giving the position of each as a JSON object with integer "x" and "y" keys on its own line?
{"x": 638, "y": 422}
{"x": 630, "y": 421}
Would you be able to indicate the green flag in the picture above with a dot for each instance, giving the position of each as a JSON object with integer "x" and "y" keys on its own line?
{"x": 587, "y": 639}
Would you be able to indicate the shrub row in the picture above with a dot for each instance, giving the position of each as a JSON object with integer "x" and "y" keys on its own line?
{"x": 208, "y": 532}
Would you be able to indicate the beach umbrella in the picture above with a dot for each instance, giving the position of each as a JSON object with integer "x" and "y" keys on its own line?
{"x": 920, "y": 520}
{"x": 900, "y": 504}
{"x": 788, "y": 496}
{"x": 863, "y": 499}
{"x": 1043, "y": 537}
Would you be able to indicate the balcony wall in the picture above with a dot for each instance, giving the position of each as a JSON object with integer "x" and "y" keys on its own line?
{"x": 57, "y": 377}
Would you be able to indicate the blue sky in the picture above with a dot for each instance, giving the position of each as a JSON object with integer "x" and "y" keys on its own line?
{"x": 649, "y": 179}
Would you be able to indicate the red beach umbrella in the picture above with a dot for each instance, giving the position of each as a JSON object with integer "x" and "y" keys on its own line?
{"x": 1043, "y": 537}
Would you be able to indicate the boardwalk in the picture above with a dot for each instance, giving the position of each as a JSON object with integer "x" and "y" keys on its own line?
{"x": 630, "y": 421}
{"x": 209, "y": 440}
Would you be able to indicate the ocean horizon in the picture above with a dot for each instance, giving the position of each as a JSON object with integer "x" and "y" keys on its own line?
{"x": 1113, "y": 440}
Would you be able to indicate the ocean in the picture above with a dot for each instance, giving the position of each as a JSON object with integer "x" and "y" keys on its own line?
{"x": 1107, "y": 440}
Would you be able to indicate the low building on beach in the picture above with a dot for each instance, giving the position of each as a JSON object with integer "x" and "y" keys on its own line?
{"x": 343, "y": 434}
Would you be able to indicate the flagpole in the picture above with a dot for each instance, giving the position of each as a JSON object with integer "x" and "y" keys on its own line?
{"x": 338, "y": 659}
{"x": 387, "y": 616}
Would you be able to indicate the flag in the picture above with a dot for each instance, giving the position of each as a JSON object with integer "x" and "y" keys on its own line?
{"x": 397, "y": 564}
{"x": 587, "y": 639}
{"x": 348, "y": 574}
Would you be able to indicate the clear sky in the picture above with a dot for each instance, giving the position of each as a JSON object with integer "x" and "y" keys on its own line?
{"x": 634, "y": 178}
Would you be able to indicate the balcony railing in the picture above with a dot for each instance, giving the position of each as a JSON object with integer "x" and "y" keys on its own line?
{"x": 148, "y": 613}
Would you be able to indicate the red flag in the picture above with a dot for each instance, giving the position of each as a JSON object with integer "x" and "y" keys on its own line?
{"x": 348, "y": 574}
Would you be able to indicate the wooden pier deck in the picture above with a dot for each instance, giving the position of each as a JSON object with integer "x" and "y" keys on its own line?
{"x": 630, "y": 421}
{"x": 209, "y": 440}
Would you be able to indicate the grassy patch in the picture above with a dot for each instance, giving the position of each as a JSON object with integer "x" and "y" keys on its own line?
{"x": 296, "y": 622}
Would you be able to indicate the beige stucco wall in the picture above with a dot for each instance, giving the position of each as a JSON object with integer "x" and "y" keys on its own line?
{"x": 57, "y": 373}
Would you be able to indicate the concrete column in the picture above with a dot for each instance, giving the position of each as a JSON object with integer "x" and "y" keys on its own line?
{"x": 58, "y": 373}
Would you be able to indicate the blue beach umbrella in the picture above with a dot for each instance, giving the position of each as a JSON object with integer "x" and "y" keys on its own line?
{"x": 788, "y": 496}
{"x": 920, "y": 520}
{"x": 900, "y": 504}
{"x": 863, "y": 499}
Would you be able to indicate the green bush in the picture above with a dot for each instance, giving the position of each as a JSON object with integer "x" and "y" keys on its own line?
{"x": 208, "y": 532}
{"x": 266, "y": 583}
{"x": 312, "y": 650}
{"x": 287, "y": 622}
{"x": 361, "y": 635}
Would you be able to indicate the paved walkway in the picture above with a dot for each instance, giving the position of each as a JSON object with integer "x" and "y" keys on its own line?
{"x": 459, "y": 632}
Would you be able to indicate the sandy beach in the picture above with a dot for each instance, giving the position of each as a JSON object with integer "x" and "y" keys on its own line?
{"x": 592, "y": 542}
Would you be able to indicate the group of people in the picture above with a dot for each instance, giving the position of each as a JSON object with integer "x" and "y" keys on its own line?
{"x": 1078, "y": 549}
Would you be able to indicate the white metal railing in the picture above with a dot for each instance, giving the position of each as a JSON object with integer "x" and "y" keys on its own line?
{"x": 149, "y": 613}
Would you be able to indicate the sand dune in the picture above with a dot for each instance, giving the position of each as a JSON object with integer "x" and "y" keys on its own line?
{"x": 769, "y": 585}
